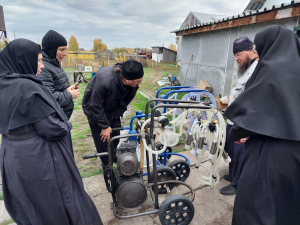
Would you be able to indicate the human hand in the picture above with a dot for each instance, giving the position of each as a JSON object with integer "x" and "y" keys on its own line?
{"x": 242, "y": 141}
{"x": 74, "y": 92}
{"x": 105, "y": 134}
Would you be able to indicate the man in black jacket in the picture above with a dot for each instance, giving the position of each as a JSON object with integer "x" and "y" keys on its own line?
{"x": 106, "y": 99}
{"x": 54, "y": 77}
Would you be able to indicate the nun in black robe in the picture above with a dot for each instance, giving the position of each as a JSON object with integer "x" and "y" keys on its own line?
{"x": 268, "y": 113}
{"x": 41, "y": 183}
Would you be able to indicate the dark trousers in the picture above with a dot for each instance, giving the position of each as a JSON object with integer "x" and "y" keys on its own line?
{"x": 100, "y": 145}
{"x": 236, "y": 153}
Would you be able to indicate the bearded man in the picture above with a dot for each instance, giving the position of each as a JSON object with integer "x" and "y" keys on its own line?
{"x": 245, "y": 55}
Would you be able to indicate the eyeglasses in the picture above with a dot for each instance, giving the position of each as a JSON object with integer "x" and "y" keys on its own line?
{"x": 238, "y": 54}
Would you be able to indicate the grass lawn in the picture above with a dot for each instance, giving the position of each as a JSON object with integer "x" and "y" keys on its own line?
{"x": 6, "y": 222}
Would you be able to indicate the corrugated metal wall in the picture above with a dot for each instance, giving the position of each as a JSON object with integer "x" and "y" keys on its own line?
{"x": 212, "y": 54}
{"x": 168, "y": 55}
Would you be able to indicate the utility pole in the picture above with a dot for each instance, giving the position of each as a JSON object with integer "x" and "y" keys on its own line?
{"x": 2, "y": 26}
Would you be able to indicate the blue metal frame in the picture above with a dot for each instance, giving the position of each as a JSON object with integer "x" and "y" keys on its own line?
{"x": 172, "y": 87}
{"x": 181, "y": 91}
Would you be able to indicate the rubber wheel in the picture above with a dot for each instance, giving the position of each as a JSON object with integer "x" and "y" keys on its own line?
{"x": 176, "y": 209}
{"x": 181, "y": 169}
{"x": 164, "y": 173}
{"x": 159, "y": 146}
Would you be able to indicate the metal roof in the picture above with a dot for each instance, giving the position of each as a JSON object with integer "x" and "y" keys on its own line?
{"x": 263, "y": 10}
{"x": 253, "y": 6}
{"x": 194, "y": 19}
{"x": 163, "y": 47}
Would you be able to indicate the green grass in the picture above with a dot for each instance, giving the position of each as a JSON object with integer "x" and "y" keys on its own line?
{"x": 80, "y": 134}
{"x": 1, "y": 195}
{"x": 139, "y": 102}
{"x": 6, "y": 222}
{"x": 77, "y": 101}
{"x": 69, "y": 69}
{"x": 178, "y": 150}
{"x": 80, "y": 167}
{"x": 91, "y": 173}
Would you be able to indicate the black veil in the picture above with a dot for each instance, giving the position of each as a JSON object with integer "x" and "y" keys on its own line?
{"x": 23, "y": 98}
{"x": 19, "y": 57}
{"x": 270, "y": 104}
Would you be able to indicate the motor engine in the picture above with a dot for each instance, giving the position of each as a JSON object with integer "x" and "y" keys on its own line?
{"x": 130, "y": 192}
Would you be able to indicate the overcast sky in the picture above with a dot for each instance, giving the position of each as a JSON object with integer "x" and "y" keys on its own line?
{"x": 130, "y": 23}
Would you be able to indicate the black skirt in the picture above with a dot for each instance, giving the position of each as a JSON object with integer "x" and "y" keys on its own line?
{"x": 269, "y": 187}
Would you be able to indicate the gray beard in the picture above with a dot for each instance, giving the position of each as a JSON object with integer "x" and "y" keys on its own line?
{"x": 242, "y": 69}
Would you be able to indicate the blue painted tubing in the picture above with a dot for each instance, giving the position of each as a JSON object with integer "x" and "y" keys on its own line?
{"x": 136, "y": 117}
{"x": 172, "y": 87}
{"x": 186, "y": 158}
{"x": 186, "y": 90}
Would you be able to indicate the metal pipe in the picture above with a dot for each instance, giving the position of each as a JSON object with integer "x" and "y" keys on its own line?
{"x": 200, "y": 142}
{"x": 172, "y": 87}
{"x": 213, "y": 148}
{"x": 154, "y": 176}
{"x": 179, "y": 182}
{"x": 225, "y": 155}
{"x": 190, "y": 138}
{"x": 134, "y": 215}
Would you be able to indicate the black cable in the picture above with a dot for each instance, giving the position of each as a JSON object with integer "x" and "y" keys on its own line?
{"x": 110, "y": 179}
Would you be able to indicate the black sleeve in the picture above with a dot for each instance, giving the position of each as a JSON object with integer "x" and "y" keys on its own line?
{"x": 98, "y": 96}
{"x": 123, "y": 106}
{"x": 52, "y": 128}
{"x": 236, "y": 133}
{"x": 63, "y": 98}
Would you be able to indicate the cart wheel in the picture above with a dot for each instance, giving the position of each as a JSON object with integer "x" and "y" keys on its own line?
{"x": 164, "y": 173}
{"x": 176, "y": 209}
{"x": 159, "y": 146}
{"x": 181, "y": 169}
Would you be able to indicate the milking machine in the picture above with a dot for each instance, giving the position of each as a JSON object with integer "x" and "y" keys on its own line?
{"x": 126, "y": 184}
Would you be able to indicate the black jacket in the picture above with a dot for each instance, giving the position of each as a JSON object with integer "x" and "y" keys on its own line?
{"x": 98, "y": 100}
{"x": 56, "y": 80}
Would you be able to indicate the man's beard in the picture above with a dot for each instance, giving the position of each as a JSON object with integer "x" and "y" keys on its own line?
{"x": 242, "y": 69}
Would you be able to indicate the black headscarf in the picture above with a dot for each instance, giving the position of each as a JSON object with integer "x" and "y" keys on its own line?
{"x": 23, "y": 98}
{"x": 270, "y": 104}
{"x": 20, "y": 57}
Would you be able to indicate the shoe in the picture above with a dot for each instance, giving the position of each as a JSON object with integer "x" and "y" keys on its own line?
{"x": 227, "y": 177}
{"x": 228, "y": 190}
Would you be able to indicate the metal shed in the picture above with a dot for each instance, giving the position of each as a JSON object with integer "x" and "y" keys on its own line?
{"x": 211, "y": 43}
{"x": 162, "y": 54}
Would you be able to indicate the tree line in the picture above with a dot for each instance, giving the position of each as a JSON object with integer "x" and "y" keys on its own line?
{"x": 74, "y": 45}
{"x": 98, "y": 46}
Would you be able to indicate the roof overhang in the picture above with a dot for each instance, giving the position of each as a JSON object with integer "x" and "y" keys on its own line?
{"x": 262, "y": 15}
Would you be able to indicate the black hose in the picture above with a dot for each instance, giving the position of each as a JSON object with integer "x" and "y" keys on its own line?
{"x": 110, "y": 179}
